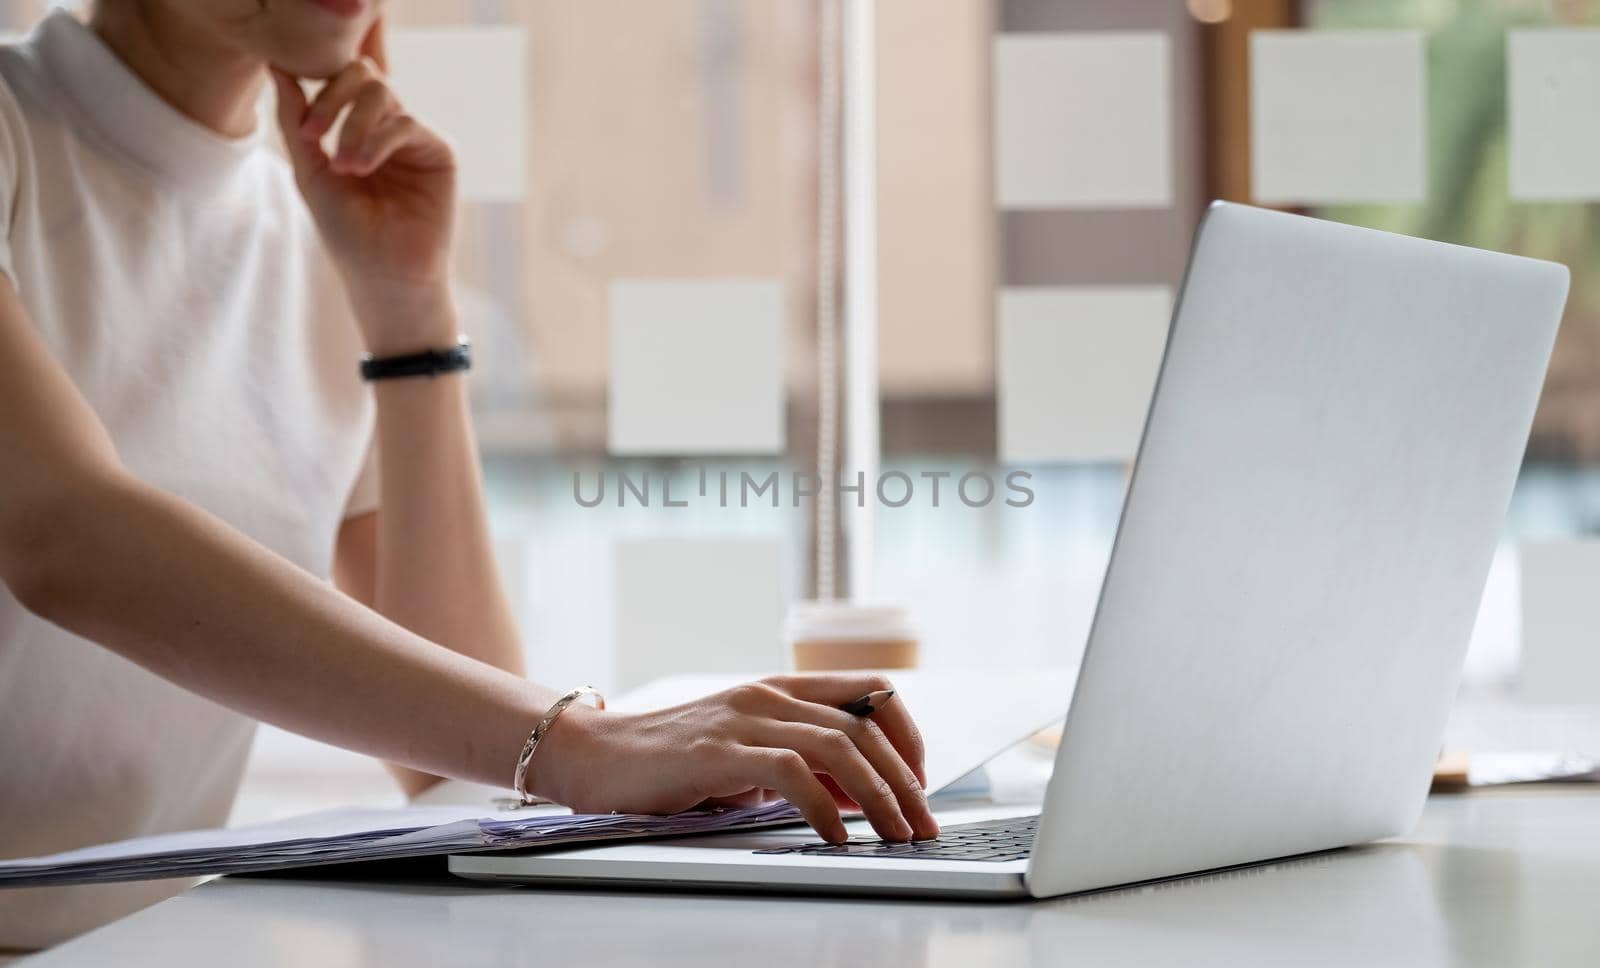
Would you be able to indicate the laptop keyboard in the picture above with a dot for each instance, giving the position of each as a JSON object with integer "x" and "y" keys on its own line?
{"x": 987, "y": 840}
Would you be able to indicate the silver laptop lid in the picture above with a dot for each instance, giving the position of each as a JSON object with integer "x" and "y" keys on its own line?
{"x": 1326, "y": 466}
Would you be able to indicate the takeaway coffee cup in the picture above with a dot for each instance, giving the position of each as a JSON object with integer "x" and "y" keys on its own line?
{"x": 829, "y": 636}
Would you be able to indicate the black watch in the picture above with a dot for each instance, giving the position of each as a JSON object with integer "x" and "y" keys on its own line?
{"x": 426, "y": 363}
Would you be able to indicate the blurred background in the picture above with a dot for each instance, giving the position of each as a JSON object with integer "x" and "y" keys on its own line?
{"x": 659, "y": 204}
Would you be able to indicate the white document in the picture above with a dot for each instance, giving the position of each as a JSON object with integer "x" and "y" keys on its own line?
{"x": 1498, "y": 769}
{"x": 347, "y": 836}
{"x": 1502, "y": 727}
{"x": 966, "y": 716}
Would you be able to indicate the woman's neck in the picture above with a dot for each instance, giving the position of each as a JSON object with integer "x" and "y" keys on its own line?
{"x": 214, "y": 84}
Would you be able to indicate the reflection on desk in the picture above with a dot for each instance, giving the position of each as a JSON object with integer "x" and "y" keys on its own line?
{"x": 1488, "y": 879}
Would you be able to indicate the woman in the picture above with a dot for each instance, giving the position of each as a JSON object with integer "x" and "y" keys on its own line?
{"x": 189, "y": 452}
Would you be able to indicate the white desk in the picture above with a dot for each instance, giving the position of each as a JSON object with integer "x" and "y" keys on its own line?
{"x": 1500, "y": 878}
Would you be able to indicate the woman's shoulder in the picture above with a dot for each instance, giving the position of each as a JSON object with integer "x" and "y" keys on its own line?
{"x": 27, "y": 96}
{"x": 23, "y": 77}
{"x": 18, "y": 78}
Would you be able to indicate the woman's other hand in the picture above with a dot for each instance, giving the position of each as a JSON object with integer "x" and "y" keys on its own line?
{"x": 383, "y": 200}
{"x": 783, "y": 736}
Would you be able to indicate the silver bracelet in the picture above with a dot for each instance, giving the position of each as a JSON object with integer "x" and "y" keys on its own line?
{"x": 519, "y": 778}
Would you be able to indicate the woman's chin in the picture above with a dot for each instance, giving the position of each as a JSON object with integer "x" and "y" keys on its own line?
{"x": 314, "y": 65}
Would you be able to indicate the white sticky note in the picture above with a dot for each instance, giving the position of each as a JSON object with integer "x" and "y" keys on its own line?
{"x": 1553, "y": 97}
{"x": 1561, "y": 622}
{"x": 1083, "y": 120}
{"x": 696, "y": 366}
{"x": 470, "y": 83}
{"x": 692, "y": 605}
{"x": 1337, "y": 116}
{"x": 1077, "y": 365}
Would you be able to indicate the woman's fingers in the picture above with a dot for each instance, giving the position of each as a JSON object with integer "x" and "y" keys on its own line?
{"x": 832, "y": 752}
{"x": 885, "y": 760}
{"x": 423, "y": 147}
{"x": 787, "y": 772}
{"x": 342, "y": 89}
{"x": 291, "y": 100}
{"x": 305, "y": 156}
{"x": 893, "y": 717}
{"x": 375, "y": 125}
{"x": 784, "y": 735}
{"x": 372, "y": 107}
{"x": 375, "y": 46}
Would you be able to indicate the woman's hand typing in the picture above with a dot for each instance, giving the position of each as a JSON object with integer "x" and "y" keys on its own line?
{"x": 782, "y": 736}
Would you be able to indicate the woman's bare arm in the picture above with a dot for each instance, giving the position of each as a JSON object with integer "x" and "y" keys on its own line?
{"x": 89, "y": 547}
{"x": 86, "y": 545}
{"x": 384, "y": 203}
{"x": 425, "y": 559}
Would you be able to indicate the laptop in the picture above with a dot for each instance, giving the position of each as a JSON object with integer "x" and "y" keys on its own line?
{"x": 1325, "y": 468}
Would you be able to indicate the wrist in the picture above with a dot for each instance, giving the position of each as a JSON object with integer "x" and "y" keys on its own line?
{"x": 398, "y": 319}
{"x": 561, "y": 768}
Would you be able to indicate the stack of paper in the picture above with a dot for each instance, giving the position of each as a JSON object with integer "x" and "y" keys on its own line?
{"x": 346, "y": 836}
{"x": 1495, "y": 769}
{"x": 1491, "y": 726}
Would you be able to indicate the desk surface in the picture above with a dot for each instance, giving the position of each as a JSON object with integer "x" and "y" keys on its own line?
{"x": 1501, "y": 878}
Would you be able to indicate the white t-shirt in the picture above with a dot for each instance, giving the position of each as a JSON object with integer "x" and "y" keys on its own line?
{"x": 175, "y": 274}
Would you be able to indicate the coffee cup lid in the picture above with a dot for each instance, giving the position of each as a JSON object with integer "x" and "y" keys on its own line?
{"x": 845, "y": 619}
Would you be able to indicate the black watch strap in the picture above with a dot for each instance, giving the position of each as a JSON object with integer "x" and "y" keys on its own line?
{"x": 426, "y": 363}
